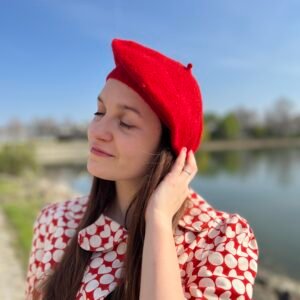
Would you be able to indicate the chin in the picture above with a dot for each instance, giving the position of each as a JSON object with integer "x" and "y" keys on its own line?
{"x": 95, "y": 170}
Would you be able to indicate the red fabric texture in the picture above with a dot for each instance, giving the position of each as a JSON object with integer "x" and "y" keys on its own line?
{"x": 166, "y": 85}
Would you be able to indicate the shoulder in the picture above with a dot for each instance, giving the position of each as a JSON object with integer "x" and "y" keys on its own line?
{"x": 73, "y": 205}
{"x": 199, "y": 214}
{"x": 203, "y": 219}
{"x": 223, "y": 252}
{"x": 53, "y": 227}
{"x": 60, "y": 215}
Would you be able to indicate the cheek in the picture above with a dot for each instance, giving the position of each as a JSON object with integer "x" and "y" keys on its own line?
{"x": 131, "y": 153}
{"x": 90, "y": 129}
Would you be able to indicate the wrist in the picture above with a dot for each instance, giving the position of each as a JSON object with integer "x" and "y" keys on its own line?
{"x": 158, "y": 219}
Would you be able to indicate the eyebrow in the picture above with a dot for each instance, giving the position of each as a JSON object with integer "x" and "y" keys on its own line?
{"x": 123, "y": 106}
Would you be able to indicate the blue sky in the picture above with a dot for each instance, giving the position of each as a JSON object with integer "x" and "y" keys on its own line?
{"x": 54, "y": 55}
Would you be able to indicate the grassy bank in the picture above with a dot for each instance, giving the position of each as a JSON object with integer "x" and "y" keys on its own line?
{"x": 20, "y": 209}
{"x": 21, "y": 200}
{"x": 20, "y": 218}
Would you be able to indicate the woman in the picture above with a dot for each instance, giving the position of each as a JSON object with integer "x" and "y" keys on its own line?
{"x": 142, "y": 232}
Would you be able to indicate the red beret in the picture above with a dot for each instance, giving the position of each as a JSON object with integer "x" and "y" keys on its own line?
{"x": 166, "y": 85}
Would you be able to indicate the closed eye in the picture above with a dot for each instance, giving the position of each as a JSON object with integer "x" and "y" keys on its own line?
{"x": 121, "y": 123}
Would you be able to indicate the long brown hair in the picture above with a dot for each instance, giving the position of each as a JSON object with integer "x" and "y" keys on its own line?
{"x": 64, "y": 282}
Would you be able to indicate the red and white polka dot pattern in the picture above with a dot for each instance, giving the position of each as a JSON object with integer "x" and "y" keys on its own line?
{"x": 217, "y": 251}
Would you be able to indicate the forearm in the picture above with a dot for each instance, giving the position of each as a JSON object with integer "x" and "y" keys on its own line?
{"x": 160, "y": 277}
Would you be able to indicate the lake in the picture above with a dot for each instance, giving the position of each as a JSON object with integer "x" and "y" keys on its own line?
{"x": 263, "y": 186}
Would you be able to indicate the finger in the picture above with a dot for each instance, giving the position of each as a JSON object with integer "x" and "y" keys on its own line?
{"x": 180, "y": 162}
{"x": 192, "y": 160}
{"x": 191, "y": 166}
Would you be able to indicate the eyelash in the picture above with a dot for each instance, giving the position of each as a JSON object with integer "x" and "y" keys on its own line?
{"x": 121, "y": 123}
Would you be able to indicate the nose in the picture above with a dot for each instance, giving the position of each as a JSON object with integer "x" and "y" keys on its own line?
{"x": 101, "y": 128}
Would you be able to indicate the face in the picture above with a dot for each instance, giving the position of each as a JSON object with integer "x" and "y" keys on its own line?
{"x": 132, "y": 147}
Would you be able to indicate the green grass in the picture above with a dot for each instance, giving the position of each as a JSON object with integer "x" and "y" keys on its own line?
{"x": 21, "y": 216}
{"x": 21, "y": 199}
{"x": 8, "y": 187}
{"x": 20, "y": 208}
{"x": 16, "y": 158}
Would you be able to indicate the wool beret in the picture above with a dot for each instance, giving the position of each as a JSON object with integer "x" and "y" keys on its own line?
{"x": 168, "y": 87}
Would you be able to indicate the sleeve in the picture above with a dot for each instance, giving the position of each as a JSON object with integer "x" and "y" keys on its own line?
{"x": 37, "y": 250}
{"x": 224, "y": 262}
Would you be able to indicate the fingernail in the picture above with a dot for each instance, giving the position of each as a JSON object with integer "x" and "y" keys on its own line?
{"x": 184, "y": 149}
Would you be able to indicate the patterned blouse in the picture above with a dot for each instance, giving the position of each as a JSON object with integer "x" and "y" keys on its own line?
{"x": 217, "y": 251}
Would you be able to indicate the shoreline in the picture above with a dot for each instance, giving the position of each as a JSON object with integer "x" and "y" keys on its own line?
{"x": 269, "y": 285}
{"x": 249, "y": 144}
{"x": 51, "y": 152}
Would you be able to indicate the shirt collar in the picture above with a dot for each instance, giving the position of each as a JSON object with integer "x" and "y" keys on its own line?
{"x": 105, "y": 233}
{"x": 102, "y": 235}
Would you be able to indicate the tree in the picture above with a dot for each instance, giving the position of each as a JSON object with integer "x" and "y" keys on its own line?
{"x": 229, "y": 127}
{"x": 279, "y": 119}
{"x": 248, "y": 120}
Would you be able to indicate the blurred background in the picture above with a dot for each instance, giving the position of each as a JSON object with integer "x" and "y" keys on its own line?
{"x": 54, "y": 56}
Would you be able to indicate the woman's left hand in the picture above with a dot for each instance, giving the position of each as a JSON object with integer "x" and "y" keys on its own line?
{"x": 173, "y": 189}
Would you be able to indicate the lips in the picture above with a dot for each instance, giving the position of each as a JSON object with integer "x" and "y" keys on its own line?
{"x": 100, "y": 150}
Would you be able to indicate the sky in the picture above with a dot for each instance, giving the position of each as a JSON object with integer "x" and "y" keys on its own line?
{"x": 55, "y": 55}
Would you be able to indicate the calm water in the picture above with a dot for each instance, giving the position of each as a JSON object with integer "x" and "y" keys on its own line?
{"x": 262, "y": 186}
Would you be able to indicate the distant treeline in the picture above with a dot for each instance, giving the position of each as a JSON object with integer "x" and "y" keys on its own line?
{"x": 280, "y": 120}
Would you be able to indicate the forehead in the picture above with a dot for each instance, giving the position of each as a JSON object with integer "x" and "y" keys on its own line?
{"x": 122, "y": 106}
{"x": 118, "y": 93}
